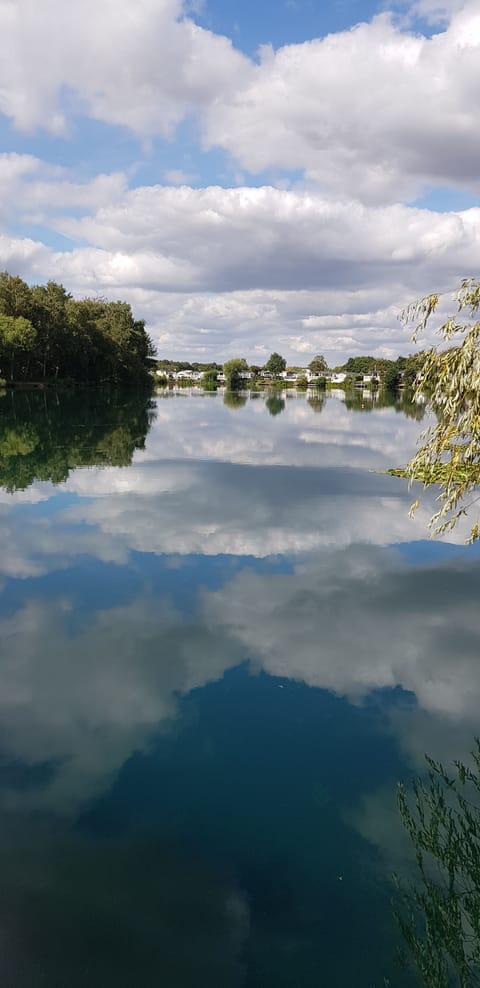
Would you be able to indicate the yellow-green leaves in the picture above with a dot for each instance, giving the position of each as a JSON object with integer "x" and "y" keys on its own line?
{"x": 449, "y": 451}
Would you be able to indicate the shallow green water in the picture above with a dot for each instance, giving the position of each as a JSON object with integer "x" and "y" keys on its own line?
{"x": 222, "y": 642}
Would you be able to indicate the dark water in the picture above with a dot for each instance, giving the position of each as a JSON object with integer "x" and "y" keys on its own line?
{"x": 223, "y": 641}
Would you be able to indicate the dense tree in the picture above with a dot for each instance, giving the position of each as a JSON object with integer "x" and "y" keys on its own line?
{"x": 275, "y": 365}
{"x": 233, "y": 370}
{"x": 392, "y": 375}
{"x": 62, "y": 338}
{"x": 450, "y": 452}
{"x": 17, "y": 340}
{"x": 413, "y": 364}
{"x": 15, "y": 296}
{"x": 318, "y": 365}
{"x": 360, "y": 365}
{"x": 210, "y": 379}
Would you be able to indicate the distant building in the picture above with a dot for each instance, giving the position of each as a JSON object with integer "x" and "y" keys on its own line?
{"x": 188, "y": 375}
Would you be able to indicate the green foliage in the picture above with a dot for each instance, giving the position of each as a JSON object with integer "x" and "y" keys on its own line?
{"x": 233, "y": 370}
{"x": 392, "y": 376}
{"x": 360, "y": 365}
{"x": 318, "y": 365}
{"x": 275, "y": 365}
{"x": 210, "y": 379}
{"x": 45, "y": 334}
{"x": 302, "y": 383}
{"x": 17, "y": 340}
{"x": 440, "y": 918}
{"x": 412, "y": 367}
{"x": 450, "y": 452}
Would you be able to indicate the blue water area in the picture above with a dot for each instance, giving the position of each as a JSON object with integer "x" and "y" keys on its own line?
{"x": 223, "y": 642}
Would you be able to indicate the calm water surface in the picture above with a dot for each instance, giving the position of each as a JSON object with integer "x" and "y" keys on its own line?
{"x": 223, "y": 641}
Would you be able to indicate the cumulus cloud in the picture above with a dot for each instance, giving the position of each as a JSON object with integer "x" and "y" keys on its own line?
{"x": 228, "y": 239}
{"x": 368, "y": 117}
{"x": 32, "y": 190}
{"x": 143, "y": 66}
{"x": 214, "y": 269}
{"x": 376, "y": 112}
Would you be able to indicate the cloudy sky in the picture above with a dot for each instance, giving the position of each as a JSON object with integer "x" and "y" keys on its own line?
{"x": 283, "y": 175}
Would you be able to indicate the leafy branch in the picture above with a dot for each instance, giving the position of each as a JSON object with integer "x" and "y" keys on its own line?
{"x": 449, "y": 454}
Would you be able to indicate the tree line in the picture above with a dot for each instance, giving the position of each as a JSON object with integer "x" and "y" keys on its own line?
{"x": 391, "y": 373}
{"x": 46, "y": 334}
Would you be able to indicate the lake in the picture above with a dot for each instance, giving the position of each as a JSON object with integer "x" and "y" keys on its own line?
{"x": 223, "y": 642}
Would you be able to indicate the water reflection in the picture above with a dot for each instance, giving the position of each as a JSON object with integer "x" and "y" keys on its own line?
{"x": 83, "y": 912}
{"x": 274, "y": 404}
{"x": 233, "y": 399}
{"x": 45, "y": 434}
{"x": 215, "y": 665}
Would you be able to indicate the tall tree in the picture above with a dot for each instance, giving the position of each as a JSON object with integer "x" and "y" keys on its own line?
{"x": 233, "y": 370}
{"x": 17, "y": 339}
{"x": 49, "y": 316}
{"x": 15, "y": 296}
{"x": 318, "y": 365}
{"x": 275, "y": 365}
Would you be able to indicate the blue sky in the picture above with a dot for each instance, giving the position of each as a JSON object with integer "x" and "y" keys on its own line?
{"x": 280, "y": 22}
{"x": 243, "y": 198}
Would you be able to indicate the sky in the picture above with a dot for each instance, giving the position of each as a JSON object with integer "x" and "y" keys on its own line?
{"x": 251, "y": 177}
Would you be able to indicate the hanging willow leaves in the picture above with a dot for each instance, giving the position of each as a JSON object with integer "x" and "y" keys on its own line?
{"x": 449, "y": 454}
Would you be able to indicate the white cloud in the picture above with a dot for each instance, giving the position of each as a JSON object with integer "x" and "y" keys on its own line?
{"x": 32, "y": 189}
{"x": 227, "y": 239}
{"x": 375, "y": 113}
{"x": 138, "y": 65}
{"x": 219, "y": 271}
